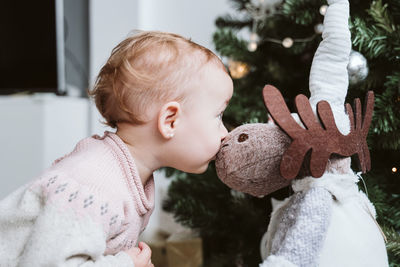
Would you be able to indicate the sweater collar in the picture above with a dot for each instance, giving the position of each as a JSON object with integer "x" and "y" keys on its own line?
{"x": 143, "y": 194}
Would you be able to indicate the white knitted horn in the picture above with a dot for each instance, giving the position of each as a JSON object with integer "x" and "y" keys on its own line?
{"x": 328, "y": 76}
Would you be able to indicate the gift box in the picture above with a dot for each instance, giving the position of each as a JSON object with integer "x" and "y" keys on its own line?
{"x": 159, "y": 253}
{"x": 158, "y": 249}
{"x": 184, "y": 250}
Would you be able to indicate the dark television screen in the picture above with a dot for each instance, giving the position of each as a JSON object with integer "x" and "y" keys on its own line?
{"x": 28, "y": 47}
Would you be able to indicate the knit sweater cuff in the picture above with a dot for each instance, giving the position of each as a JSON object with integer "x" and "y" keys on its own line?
{"x": 276, "y": 261}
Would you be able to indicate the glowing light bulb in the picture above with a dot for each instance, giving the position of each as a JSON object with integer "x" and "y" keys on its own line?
{"x": 252, "y": 46}
{"x": 322, "y": 10}
{"x": 254, "y": 37}
{"x": 238, "y": 69}
{"x": 394, "y": 169}
{"x": 287, "y": 42}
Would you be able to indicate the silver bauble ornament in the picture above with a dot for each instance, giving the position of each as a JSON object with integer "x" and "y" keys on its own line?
{"x": 357, "y": 67}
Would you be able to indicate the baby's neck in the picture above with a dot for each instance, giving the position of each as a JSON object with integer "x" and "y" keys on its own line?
{"x": 139, "y": 143}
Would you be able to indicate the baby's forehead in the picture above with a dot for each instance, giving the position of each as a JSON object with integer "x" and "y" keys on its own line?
{"x": 211, "y": 82}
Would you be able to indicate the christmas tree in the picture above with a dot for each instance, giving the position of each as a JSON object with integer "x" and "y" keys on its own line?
{"x": 273, "y": 42}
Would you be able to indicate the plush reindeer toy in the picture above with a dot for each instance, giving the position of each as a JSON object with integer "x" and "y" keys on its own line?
{"x": 327, "y": 221}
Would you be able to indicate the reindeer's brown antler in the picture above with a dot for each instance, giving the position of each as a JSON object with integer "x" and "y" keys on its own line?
{"x": 324, "y": 139}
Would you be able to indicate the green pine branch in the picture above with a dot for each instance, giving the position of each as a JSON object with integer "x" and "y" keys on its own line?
{"x": 376, "y": 35}
{"x": 303, "y": 12}
{"x": 386, "y": 120}
{"x": 227, "y": 44}
{"x": 230, "y": 22}
{"x": 392, "y": 246}
{"x": 382, "y": 190}
{"x": 380, "y": 15}
{"x": 394, "y": 9}
{"x": 368, "y": 38}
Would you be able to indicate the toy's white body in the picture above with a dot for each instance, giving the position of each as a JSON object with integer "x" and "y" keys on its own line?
{"x": 352, "y": 236}
{"x": 327, "y": 222}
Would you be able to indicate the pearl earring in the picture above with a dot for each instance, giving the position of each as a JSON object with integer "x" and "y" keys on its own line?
{"x": 170, "y": 135}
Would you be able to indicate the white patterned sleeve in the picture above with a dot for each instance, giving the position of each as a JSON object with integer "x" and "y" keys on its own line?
{"x": 59, "y": 240}
{"x": 71, "y": 229}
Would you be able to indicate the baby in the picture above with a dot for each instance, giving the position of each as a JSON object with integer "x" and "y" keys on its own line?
{"x": 165, "y": 96}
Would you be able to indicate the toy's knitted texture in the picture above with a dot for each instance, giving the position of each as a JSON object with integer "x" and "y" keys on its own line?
{"x": 85, "y": 210}
{"x": 301, "y": 229}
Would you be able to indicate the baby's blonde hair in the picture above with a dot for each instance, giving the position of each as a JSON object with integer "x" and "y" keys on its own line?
{"x": 146, "y": 68}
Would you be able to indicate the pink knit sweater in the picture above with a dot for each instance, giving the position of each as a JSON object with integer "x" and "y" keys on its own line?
{"x": 89, "y": 206}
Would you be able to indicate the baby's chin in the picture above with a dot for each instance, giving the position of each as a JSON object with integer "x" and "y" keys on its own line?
{"x": 201, "y": 169}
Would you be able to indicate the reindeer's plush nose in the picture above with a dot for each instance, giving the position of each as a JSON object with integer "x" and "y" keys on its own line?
{"x": 243, "y": 137}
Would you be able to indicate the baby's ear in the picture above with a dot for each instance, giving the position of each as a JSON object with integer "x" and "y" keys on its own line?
{"x": 168, "y": 119}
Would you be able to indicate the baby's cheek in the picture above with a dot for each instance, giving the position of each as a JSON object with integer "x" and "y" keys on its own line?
{"x": 216, "y": 145}
{"x": 210, "y": 148}
{"x": 209, "y": 141}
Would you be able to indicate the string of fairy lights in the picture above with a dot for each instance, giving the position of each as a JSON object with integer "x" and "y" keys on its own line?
{"x": 286, "y": 42}
{"x": 260, "y": 10}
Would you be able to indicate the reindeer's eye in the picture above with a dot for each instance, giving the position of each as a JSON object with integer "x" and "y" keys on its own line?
{"x": 242, "y": 137}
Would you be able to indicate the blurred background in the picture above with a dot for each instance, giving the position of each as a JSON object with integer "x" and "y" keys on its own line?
{"x": 52, "y": 50}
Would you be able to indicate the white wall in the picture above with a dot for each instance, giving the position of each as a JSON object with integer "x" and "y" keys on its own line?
{"x": 109, "y": 23}
{"x": 190, "y": 18}
{"x": 36, "y": 130}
